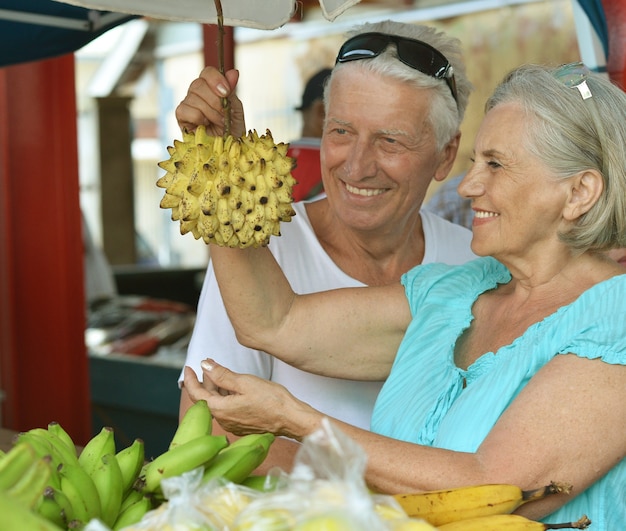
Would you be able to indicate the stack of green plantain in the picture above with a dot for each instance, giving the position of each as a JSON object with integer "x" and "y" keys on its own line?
{"x": 483, "y": 508}
{"x": 229, "y": 191}
{"x": 47, "y": 484}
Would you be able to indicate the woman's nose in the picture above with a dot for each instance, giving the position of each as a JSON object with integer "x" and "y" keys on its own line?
{"x": 470, "y": 185}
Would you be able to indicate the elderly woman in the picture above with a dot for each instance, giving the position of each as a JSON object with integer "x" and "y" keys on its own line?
{"x": 508, "y": 369}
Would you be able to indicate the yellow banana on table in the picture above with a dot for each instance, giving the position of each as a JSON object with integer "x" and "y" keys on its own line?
{"x": 448, "y": 505}
{"x": 509, "y": 522}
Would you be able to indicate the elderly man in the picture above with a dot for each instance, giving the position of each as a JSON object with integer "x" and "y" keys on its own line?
{"x": 386, "y": 137}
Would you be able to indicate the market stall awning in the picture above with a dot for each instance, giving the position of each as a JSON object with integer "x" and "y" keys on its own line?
{"x": 259, "y": 14}
{"x": 39, "y": 29}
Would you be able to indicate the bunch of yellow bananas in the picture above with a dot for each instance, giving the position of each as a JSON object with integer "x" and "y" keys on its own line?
{"x": 482, "y": 508}
{"x": 229, "y": 191}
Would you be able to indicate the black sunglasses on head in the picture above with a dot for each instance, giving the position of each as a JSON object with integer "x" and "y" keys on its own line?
{"x": 416, "y": 54}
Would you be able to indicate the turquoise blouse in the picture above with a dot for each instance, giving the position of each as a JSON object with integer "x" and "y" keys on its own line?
{"x": 423, "y": 400}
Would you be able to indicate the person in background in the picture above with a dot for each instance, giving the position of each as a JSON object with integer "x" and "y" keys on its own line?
{"x": 306, "y": 149}
{"x": 448, "y": 203}
{"x": 394, "y": 104}
{"x": 510, "y": 368}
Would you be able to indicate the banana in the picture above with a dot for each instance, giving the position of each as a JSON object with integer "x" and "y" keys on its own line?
{"x": 30, "y": 487}
{"x": 56, "y": 429}
{"x": 15, "y": 464}
{"x": 131, "y": 460}
{"x": 252, "y": 439}
{"x": 234, "y": 464}
{"x": 132, "y": 514}
{"x": 189, "y": 206}
{"x": 14, "y": 516}
{"x": 223, "y": 213}
{"x": 238, "y": 460}
{"x": 100, "y": 444}
{"x": 443, "y": 506}
{"x": 131, "y": 497}
{"x": 262, "y": 483}
{"x": 107, "y": 477}
{"x": 55, "y": 507}
{"x": 81, "y": 492}
{"x": 509, "y": 522}
{"x": 180, "y": 459}
{"x": 196, "y": 421}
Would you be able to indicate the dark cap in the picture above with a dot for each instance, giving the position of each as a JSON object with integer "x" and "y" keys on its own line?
{"x": 314, "y": 89}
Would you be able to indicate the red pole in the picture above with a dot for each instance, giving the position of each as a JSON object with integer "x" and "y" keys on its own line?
{"x": 43, "y": 362}
{"x": 211, "y": 35}
{"x": 615, "y": 15}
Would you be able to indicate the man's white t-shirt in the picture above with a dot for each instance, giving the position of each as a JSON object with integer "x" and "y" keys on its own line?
{"x": 309, "y": 269}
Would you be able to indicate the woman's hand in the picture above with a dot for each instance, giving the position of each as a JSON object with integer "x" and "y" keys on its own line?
{"x": 243, "y": 403}
{"x": 203, "y": 104}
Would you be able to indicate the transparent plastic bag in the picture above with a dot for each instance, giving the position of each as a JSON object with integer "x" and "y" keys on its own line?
{"x": 195, "y": 506}
{"x": 326, "y": 490}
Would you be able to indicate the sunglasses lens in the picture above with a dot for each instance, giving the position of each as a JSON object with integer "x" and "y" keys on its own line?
{"x": 422, "y": 58}
{"x": 362, "y": 47}
{"x": 574, "y": 75}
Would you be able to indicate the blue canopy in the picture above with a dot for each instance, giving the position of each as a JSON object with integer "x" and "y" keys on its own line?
{"x": 31, "y": 30}
{"x": 595, "y": 13}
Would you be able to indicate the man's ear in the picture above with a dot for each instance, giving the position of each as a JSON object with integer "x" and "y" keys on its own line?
{"x": 584, "y": 192}
{"x": 448, "y": 156}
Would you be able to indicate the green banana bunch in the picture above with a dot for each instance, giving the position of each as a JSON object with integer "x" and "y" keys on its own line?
{"x": 15, "y": 516}
{"x": 99, "y": 445}
{"x": 197, "y": 421}
{"x": 239, "y": 459}
{"x": 15, "y": 463}
{"x": 81, "y": 491}
{"x": 109, "y": 482}
{"x": 180, "y": 459}
{"x": 131, "y": 460}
